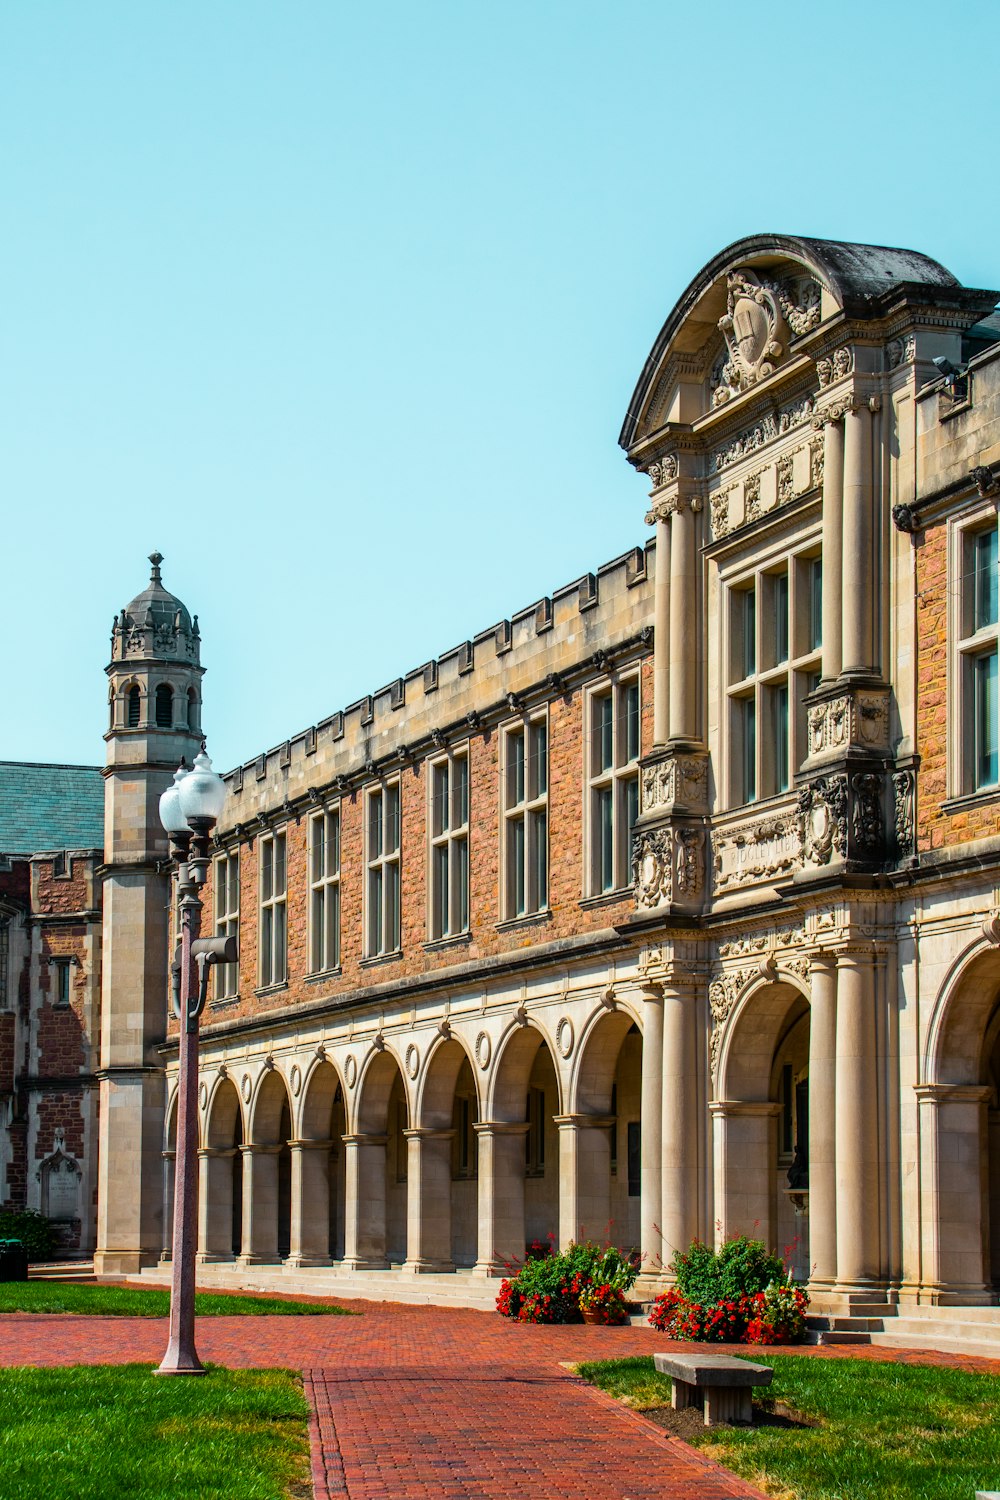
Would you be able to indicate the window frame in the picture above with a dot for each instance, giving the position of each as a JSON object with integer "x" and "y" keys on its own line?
{"x": 379, "y": 864}
{"x": 61, "y": 990}
{"x": 971, "y": 643}
{"x": 452, "y": 841}
{"x": 530, "y": 812}
{"x": 277, "y": 901}
{"x": 765, "y": 682}
{"x": 227, "y": 919}
{"x": 324, "y": 915}
{"x": 620, "y": 778}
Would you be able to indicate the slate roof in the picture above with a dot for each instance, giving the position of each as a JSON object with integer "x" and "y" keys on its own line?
{"x": 50, "y": 807}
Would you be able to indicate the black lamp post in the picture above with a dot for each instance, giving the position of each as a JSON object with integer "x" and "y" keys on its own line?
{"x": 189, "y": 810}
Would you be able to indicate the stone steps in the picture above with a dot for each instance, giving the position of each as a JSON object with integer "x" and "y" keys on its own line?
{"x": 453, "y": 1289}
{"x": 62, "y": 1270}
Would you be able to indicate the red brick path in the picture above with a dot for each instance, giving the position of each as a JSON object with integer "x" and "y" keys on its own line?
{"x": 437, "y": 1403}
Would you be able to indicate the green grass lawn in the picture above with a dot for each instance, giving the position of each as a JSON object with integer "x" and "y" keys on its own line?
{"x": 883, "y": 1430}
{"x": 103, "y": 1431}
{"x": 96, "y": 1300}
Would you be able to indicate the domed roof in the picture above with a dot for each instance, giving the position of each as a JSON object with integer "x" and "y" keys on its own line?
{"x": 155, "y": 606}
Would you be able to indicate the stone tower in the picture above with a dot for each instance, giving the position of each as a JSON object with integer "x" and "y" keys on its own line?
{"x": 154, "y": 719}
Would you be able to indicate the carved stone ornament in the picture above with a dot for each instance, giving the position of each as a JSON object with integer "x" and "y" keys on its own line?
{"x": 859, "y": 720}
{"x": 350, "y": 1070}
{"x": 762, "y": 433}
{"x": 753, "y": 852}
{"x": 751, "y": 498}
{"x": 682, "y": 778}
{"x": 662, "y": 470}
{"x": 867, "y": 788}
{"x": 412, "y": 1060}
{"x": 720, "y": 514}
{"x": 834, "y": 366}
{"x": 991, "y": 927}
{"x": 723, "y": 994}
{"x": 986, "y": 481}
{"x": 761, "y": 317}
{"x": 786, "y": 480}
{"x": 690, "y": 866}
{"x": 904, "y": 518}
{"x": 295, "y": 1079}
{"x": 246, "y": 1088}
{"x": 900, "y": 351}
{"x": 564, "y": 1037}
{"x": 652, "y": 876}
{"x": 484, "y": 1050}
{"x": 823, "y": 809}
{"x": 902, "y": 799}
{"x": 816, "y": 463}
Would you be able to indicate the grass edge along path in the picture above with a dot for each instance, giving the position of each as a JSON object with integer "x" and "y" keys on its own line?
{"x": 101, "y": 1300}
{"x": 904, "y": 1431}
{"x": 100, "y": 1432}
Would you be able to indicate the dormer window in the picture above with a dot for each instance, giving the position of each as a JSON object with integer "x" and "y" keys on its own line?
{"x": 164, "y": 706}
{"x": 134, "y": 707}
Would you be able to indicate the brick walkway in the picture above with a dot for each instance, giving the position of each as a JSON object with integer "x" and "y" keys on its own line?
{"x": 440, "y": 1404}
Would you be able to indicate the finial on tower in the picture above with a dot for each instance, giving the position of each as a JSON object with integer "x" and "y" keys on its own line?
{"x": 155, "y": 558}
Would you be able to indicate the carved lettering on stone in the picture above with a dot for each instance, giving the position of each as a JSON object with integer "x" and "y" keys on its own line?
{"x": 652, "y": 875}
{"x": 757, "y": 851}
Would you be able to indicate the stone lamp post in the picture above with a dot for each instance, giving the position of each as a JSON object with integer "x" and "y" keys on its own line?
{"x": 189, "y": 810}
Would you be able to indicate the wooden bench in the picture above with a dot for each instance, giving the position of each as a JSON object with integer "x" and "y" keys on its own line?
{"x": 721, "y": 1385}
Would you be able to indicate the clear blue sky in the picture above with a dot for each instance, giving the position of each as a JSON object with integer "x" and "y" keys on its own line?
{"x": 340, "y": 306}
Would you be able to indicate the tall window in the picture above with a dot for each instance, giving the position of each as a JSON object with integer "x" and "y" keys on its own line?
{"x": 134, "y": 707}
{"x": 227, "y": 919}
{"x": 164, "y": 706}
{"x": 382, "y": 858}
{"x": 612, "y": 750}
{"x": 775, "y": 644}
{"x": 525, "y": 800}
{"x": 324, "y": 891}
{"x": 449, "y": 836}
{"x": 61, "y": 968}
{"x": 273, "y": 927}
{"x": 978, "y": 654}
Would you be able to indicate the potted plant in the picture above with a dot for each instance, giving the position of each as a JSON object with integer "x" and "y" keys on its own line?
{"x": 604, "y": 1304}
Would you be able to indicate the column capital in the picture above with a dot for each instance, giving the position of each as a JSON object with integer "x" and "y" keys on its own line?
{"x": 429, "y": 1133}
{"x": 254, "y": 1148}
{"x": 584, "y": 1122}
{"x": 953, "y": 1093}
{"x": 501, "y": 1127}
{"x": 364, "y": 1138}
{"x": 209, "y": 1152}
{"x": 742, "y": 1108}
{"x": 312, "y": 1145}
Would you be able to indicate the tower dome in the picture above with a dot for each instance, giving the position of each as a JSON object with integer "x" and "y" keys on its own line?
{"x": 156, "y": 624}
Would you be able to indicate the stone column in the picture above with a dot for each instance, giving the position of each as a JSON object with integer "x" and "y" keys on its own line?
{"x": 260, "y": 1205}
{"x": 683, "y": 635}
{"x": 822, "y": 1116}
{"x": 651, "y": 1111}
{"x": 857, "y": 1140}
{"x": 745, "y": 1152}
{"x": 364, "y": 1202}
{"x": 428, "y": 1200}
{"x": 215, "y": 1204}
{"x": 501, "y": 1196}
{"x": 661, "y": 634}
{"x": 169, "y": 1158}
{"x": 857, "y": 591}
{"x": 833, "y": 544}
{"x": 956, "y": 1191}
{"x": 584, "y": 1176}
{"x": 309, "y": 1242}
{"x": 679, "y": 1120}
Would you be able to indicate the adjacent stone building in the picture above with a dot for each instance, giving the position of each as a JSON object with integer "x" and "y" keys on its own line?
{"x": 668, "y": 907}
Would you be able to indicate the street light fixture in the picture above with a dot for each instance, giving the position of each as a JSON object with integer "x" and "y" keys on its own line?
{"x": 189, "y": 810}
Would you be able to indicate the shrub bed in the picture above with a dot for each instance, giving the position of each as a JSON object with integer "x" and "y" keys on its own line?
{"x": 550, "y": 1288}
{"x": 740, "y": 1293}
{"x": 34, "y": 1231}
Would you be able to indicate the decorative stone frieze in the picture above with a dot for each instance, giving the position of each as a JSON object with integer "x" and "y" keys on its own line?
{"x": 758, "y": 850}
{"x": 662, "y": 470}
{"x": 762, "y": 433}
{"x": 852, "y": 720}
{"x": 678, "y": 780}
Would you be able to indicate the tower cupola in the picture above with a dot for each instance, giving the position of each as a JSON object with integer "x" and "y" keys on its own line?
{"x": 155, "y": 667}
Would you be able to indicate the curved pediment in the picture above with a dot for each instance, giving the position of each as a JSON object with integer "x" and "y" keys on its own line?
{"x": 742, "y": 315}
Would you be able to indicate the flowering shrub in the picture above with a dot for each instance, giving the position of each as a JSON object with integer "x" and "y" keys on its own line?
{"x": 547, "y": 1289}
{"x": 738, "y": 1294}
{"x": 539, "y": 1250}
{"x": 604, "y": 1303}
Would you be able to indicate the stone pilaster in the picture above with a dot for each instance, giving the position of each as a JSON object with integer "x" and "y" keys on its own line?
{"x": 428, "y": 1200}
{"x": 309, "y": 1240}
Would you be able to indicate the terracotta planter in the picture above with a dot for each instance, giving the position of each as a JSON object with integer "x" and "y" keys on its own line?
{"x": 597, "y": 1320}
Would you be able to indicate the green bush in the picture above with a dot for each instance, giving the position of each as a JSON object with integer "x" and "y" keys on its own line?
{"x": 739, "y": 1268}
{"x": 36, "y": 1233}
{"x": 547, "y": 1289}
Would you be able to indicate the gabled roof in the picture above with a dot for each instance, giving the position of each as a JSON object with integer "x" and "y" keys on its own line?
{"x": 45, "y": 807}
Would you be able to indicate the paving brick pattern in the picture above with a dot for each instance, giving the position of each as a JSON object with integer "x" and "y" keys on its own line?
{"x": 424, "y": 1403}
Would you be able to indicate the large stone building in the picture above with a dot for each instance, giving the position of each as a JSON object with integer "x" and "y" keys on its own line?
{"x": 670, "y": 904}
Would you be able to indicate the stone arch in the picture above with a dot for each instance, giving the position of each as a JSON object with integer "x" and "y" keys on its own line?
{"x": 318, "y": 1179}
{"x": 267, "y": 1172}
{"x": 599, "y": 1137}
{"x": 960, "y": 1127}
{"x": 220, "y": 1228}
{"x": 519, "y": 1149}
{"x": 377, "y": 1165}
{"x": 443, "y": 1228}
{"x": 760, "y": 1118}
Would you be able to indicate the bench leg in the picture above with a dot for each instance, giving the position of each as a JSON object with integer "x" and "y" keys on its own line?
{"x": 728, "y": 1403}
{"x": 682, "y": 1395}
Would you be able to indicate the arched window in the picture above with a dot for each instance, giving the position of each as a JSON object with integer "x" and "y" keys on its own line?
{"x": 192, "y": 710}
{"x": 164, "y": 706}
{"x": 134, "y": 703}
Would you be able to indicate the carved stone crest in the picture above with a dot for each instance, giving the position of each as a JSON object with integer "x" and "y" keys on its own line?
{"x": 823, "y": 807}
{"x": 652, "y": 877}
{"x": 761, "y": 317}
